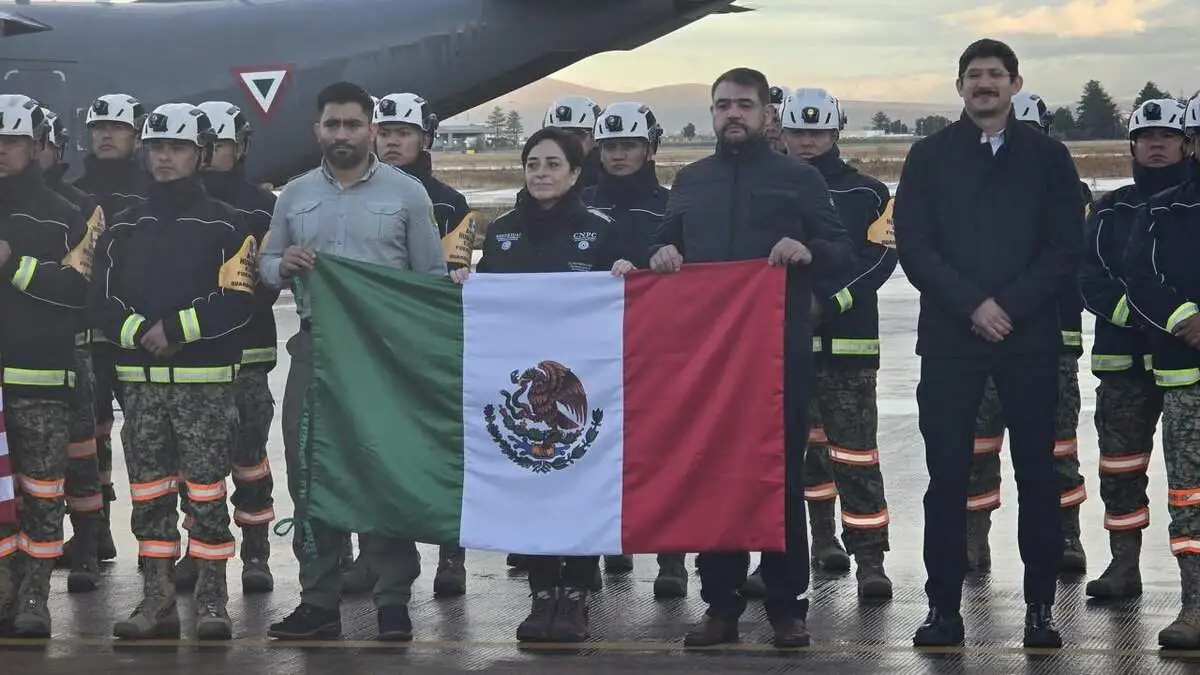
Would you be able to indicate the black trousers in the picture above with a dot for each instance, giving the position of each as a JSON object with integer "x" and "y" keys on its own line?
{"x": 785, "y": 575}
{"x": 948, "y": 397}
{"x": 549, "y": 571}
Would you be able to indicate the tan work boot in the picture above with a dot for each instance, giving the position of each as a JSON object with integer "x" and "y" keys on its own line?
{"x": 256, "y": 551}
{"x": 84, "y": 558}
{"x": 979, "y": 550}
{"x": 1123, "y": 577}
{"x": 1184, "y": 632}
{"x": 827, "y": 550}
{"x": 156, "y": 616}
{"x": 212, "y": 595}
{"x": 33, "y": 617}
{"x": 1074, "y": 560}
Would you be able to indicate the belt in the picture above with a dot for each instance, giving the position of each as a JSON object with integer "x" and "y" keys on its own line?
{"x": 306, "y": 325}
{"x": 177, "y": 374}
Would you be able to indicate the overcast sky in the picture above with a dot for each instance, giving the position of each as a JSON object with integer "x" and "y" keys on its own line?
{"x": 907, "y": 50}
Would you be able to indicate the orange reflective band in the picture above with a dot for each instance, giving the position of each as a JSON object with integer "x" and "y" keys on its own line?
{"x": 39, "y": 549}
{"x": 205, "y": 492}
{"x": 261, "y": 517}
{"x": 1181, "y": 545}
{"x": 42, "y": 489}
{"x": 104, "y": 429}
{"x": 1189, "y": 497}
{"x": 252, "y": 473}
{"x": 1125, "y": 463}
{"x": 986, "y": 500}
{"x": 82, "y": 449}
{"x": 158, "y": 549}
{"x": 1066, "y": 448}
{"x": 199, "y": 549}
{"x": 988, "y": 444}
{"x": 1072, "y": 498}
{"x": 855, "y": 457}
{"x": 8, "y": 546}
{"x": 871, "y": 521}
{"x": 817, "y": 435}
{"x": 86, "y": 504}
{"x": 145, "y": 492}
{"x": 1130, "y": 521}
{"x": 821, "y": 493}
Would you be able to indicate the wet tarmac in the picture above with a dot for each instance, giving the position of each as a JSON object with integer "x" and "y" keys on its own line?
{"x": 634, "y": 633}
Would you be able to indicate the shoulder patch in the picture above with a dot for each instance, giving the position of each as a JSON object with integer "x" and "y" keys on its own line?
{"x": 239, "y": 273}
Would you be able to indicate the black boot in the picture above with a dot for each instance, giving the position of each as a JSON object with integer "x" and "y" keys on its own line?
{"x": 451, "y": 578}
{"x": 536, "y": 627}
{"x": 941, "y": 629}
{"x": 1040, "y": 631}
{"x": 570, "y": 616}
{"x": 672, "y": 580}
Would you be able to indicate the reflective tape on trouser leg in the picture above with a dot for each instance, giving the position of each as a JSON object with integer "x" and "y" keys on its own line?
{"x": 252, "y": 480}
{"x": 818, "y": 481}
{"x": 37, "y": 435}
{"x": 1128, "y": 406}
{"x": 1072, "y": 491}
{"x": 204, "y": 419}
{"x": 151, "y": 460}
{"x": 983, "y": 483}
{"x": 1181, "y": 437}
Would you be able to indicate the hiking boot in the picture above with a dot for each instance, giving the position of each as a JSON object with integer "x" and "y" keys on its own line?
{"x": 394, "y": 623}
{"x": 106, "y": 548}
{"x": 451, "y": 577}
{"x": 979, "y": 550}
{"x": 873, "y": 583}
{"x": 186, "y": 571}
{"x": 1184, "y": 632}
{"x": 712, "y": 631}
{"x": 8, "y": 593}
{"x": 308, "y": 622}
{"x": 827, "y": 550}
{"x": 1123, "y": 577}
{"x": 618, "y": 564}
{"x": 570, "y": 616}
{"x": 358, "y": 578}
{"x": 33, "y": 617}
{"x": 536, "y": 627}
{"x": 672, "y": 580}
{"x": 1074, "y": 560}
{"x": 84, "y": 560}
{"x": 753, "y": 587}
{"x": 790, "y": 632}
{"x": 256, "y": 551}
{"x": 156, "y": 616}
{"x": 1040, "y": 631}
{"x": 212, "y": 596}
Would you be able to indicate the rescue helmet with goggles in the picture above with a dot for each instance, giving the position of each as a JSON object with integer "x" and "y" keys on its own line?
{"x": 180, "y": 122}
{"x": 572, "y": 112}
{"x": 56, "y": 132}
{"x": 1031, "y": 108}
{"x": 812, "y": 110}
{"x": 119, "y": 108}
{"x": 407, "y": 108}
{"x": 22, "y": 116}
{"x": 778, "y": 98}
{"x": 1157, "y": 113}
{"x": 1191, "y": 118}
{"x": 228, "y": 121}
{"x": 628, "y": 120}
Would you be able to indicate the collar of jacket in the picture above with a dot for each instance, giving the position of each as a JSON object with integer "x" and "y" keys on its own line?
{"x": 831, "y": 163}
{"x": 54, "y": 175}
{"x": 622, "y": 189}
{"x": 373, "y": 165}
{"x": 169, "y": 198}
{"x": 421, "y": 167}
{"x": 21, "y": 188}
{"x": 116, "y": 173}
{"x": 745, "y": 151}
{"x": 224, "y": 185}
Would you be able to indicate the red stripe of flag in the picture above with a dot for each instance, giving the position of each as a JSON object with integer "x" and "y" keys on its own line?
{"x": 704, "y": 442}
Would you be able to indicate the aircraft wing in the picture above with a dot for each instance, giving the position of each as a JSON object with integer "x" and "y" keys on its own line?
{"x": 12, "y": 23}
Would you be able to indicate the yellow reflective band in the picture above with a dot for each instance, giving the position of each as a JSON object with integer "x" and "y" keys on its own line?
{"x": 1107, "y": 363}
{"x": 855, "y": 347}
{"x": 844, "y": 299}
{"x": 816, "y": 344}
{"x": 1148, "y": 361}
{"x": 24, "y": 377}
{"x": 259, "y": 355}
{"x": 24, "y": 274}
{"x": 1185, "y": 311}
{"x": 177, "y": 375}
{"x": 1072, "y": 338}
{"x": 129, "y": 329}
{"x": 1177, "y": 378}
{"x": 1120, "y": 315}
{"x": 189, "y": 321}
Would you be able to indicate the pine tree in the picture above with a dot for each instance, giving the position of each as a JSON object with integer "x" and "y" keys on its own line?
{"x": 496, "y": 120}
{"x": 1062, "y": 126}
{"x": 881, "y": 121}
{"x": 1096, "y": 115}
{"x": 1150, "y": 91}
{"x": 513, "y": 126}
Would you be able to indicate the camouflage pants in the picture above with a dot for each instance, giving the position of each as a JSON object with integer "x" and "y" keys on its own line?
{"x": 1181, "y": 449}
{"x": 843, "y": 458}
{"x": 179, "y": 434}
{"x": 984, "y": 490}
{"x": 107, "y": 387}
{"x": 1128, "y": 405}
{"x": 37, "y": 437}
{"x": 252, "y": 482}
{"x": 84, "y": 499}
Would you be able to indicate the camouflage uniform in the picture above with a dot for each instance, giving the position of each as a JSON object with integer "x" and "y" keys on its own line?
{"x": 85, "y": 502}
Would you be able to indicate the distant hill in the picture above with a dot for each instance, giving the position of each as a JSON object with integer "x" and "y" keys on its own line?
{"x": 677, "y": 104}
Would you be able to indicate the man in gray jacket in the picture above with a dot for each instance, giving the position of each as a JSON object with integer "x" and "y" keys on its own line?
{"x": 356, "y": 207}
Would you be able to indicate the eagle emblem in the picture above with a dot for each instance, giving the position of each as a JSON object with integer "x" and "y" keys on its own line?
{"x": 545, "y": 419}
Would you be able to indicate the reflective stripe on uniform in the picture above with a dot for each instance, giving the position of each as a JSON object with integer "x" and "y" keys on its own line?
{"x": 199, "y": 549}
{"x": 845, "y": 299}
{"x": 1184, "y": 498}
{"x": 158, "y": 549}
{"x": 1185, "y": 311}
{"x": 988, "y": 444}
{"x": 1125, "y": 463}
{"x": 151, "y": 490}
{"x": 1181, "y": 545}
{"x": 854, "y": 457}
{"x": 8, "y": 546}
{"x": 855, "y": 346}
{"x": 816, "y": 344}
{"x": 1073, "y": 497}
{"x": 27, "y": 377}
{"x": 42, "y": 550}
{"x": 1072, "y": 338}
{"x": 205, "y": 492}
{"x": 24, "y": 274}
{"x": 41, "y": 489}
{"x": 986, "y": 500}
{"x": 821, "y": 493}
{"x": 870, "y": 521}
{"x": 177, "y": 374}
{"x": 1108, "y": 363}
{"x": 263, "y": 517}
{"x": 88, "y": 504}
{"x": 189, "y": 322}
{"x": 1129, "y": 521}
{"x": 252, "y": 473}
{"x": 1066, "y": 448}
{"x": 1120, "y": 315}
{"x": 259, "y": 355}
{"x": 1176, "y": 378}
{"x": 129, "y": 329}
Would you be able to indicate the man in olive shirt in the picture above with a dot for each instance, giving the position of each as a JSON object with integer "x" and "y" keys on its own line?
{"x": 357, "y": 207}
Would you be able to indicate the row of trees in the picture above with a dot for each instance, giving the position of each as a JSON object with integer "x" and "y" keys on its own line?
{"x": 506, "y": 127}
{"x": 1095, "y": 116}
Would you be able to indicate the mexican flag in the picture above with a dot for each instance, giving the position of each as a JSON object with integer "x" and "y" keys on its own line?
{"x": 560, "y": 414}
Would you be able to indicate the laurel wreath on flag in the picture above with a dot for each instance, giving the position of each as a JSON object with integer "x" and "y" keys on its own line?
{"x": 520, "y": 431}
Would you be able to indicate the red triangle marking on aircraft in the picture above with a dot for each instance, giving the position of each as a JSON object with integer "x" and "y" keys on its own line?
{"x": 262, "y": 84}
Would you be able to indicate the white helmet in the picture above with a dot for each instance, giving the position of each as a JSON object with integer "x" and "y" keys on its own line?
{"x": 779, "y": 96}
{"x": 56, "y": 132}
{"x": 812, "y": 109}
{"x": 179, "y": 122}
{"x": 120, "y": 108}
{"x": 1191, "y": 119}
{"x": 228, "y": 121}
{"x": 406, "y": 109}
{"x": 572, "y": 112}
{"x": 1031, "y": 108}
{"x": 628, "y": 120}
{"x": 1157, "y": 113}
{"x": 21, "y": 116}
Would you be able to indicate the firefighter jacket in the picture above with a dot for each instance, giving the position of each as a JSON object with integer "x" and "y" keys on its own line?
{"x": 848, "y": 333}
{"x": 636, "y": 203}
{"x": 974, "y": 221}
{"x": 115, "y": 184}
{"x": 94, "y": 216}
{"x": 567, "y": 237}
{"x": 455, "y": 220}
{"x": 1070, "y": 298}
{"x": 45, "y": 287}
{"x": 180, "y": 258}
{"x": 255, "y": 205}
{"x": 1163, "y": 279}
{"x": 1122, "y": 337}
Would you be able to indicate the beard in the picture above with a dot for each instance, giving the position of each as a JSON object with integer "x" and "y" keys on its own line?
{"x": 344, "y": 155}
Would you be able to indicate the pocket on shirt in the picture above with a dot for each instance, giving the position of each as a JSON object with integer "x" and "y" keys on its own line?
{"x": 305, "y": 222}
{"x": 383, "y": 219}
